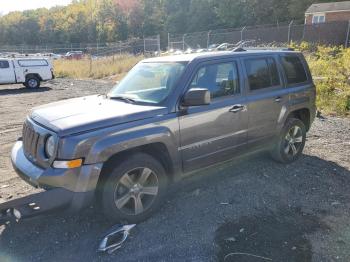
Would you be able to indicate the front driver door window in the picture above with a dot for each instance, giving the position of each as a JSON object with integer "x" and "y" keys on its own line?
{"x": 220, "y": 79}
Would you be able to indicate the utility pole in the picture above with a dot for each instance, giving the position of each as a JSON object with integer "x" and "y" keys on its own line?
{"x": 290, "y": 32}
{"x": 242, "y": 33}
{"x": 158, "y": 43}
{"x": 168, "y": 41}
{"x": 92, "y": 24}
{"x": 183, "y": 42}
{"x": 208, "y": 39}
{"x": 347, "y": 36}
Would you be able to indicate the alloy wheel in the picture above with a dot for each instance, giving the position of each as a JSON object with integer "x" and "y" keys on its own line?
{"x": 293, "y": 141}
{"x": 136, "y": 190}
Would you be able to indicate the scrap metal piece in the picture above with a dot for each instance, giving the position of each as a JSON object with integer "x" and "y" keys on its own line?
{"x": 115, "y": 238}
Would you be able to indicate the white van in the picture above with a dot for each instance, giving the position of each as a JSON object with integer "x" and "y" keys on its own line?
{"x": 28, "y": 71}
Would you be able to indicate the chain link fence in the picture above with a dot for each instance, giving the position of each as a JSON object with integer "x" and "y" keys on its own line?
{"x": 147, "y": 46}
{"x": 334, "y": 33}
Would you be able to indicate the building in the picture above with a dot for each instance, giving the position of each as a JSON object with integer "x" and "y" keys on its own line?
{"x": 327, "y": 12}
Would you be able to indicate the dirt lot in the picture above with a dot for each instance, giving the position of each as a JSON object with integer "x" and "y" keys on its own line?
{"x": 249, "y": 209}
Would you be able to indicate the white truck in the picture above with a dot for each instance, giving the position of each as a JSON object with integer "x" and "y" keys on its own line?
{"x": 28, "y": 71}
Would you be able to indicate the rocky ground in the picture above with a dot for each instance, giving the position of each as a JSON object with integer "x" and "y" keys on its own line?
{"x": 248, "y": 209}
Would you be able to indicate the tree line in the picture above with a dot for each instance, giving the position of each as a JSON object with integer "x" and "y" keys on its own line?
{"x": 116, "y": 20}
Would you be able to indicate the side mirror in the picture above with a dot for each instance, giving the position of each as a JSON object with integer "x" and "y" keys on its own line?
{"x": 196, "y": 97}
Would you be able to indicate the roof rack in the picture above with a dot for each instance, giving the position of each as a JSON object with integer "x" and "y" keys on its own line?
{"x": 241, "y": 49}
{"x": 271, "y": 48}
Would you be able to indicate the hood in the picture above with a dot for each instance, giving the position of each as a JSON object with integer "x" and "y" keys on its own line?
{"x": 91, "y": 112}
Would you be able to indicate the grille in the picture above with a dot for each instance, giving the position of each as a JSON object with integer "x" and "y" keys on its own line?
{"x": 30, "y": 141}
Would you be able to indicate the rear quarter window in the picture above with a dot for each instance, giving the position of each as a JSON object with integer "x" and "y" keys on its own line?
{"x": 33, "y": 62}
{"x": 294, "y": 69}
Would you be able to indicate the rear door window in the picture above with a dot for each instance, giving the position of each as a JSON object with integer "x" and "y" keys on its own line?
{"x": 262, "y": 73}
{"x": 293, "y": 69}
{"x": 4, "y": 64}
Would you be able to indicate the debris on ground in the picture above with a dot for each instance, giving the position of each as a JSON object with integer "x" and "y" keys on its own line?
{"x": 114, "y": 238}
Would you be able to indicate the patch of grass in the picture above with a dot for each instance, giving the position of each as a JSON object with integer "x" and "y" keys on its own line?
{"x": 115, "y": 67}
{"x": 330, "y": 67}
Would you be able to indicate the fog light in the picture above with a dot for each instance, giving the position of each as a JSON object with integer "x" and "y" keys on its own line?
{"x": 68, "y": 164}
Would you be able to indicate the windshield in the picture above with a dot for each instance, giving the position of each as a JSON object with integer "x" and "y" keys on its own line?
{"x": 149, "y": 82}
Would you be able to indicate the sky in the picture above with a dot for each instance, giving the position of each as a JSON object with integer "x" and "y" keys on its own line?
{"x": 7, "y": 6}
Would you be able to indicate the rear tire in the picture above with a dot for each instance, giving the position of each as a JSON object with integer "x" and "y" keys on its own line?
{"x": 134, "y": 189}
{"x": 290, "y": 143}
{"x": 32, "y": 82}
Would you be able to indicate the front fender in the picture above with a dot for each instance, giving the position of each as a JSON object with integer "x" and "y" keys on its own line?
{"x": 112, "y": 144}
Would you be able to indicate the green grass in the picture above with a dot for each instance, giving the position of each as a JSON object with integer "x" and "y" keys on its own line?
{"x": 115, "y": 67}
{"x": 330, "y": 67}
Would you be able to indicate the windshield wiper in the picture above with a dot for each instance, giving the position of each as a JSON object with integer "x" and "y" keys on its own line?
{"x": 123, "y": 98}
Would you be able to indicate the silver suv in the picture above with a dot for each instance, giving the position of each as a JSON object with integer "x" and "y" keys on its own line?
{"x": 169, "y": 116}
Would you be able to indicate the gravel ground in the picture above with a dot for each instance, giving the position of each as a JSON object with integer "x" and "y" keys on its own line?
{"x": 248, "y": 209}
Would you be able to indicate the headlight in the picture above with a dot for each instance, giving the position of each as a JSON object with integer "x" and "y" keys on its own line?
{"x": 50, "y": 146}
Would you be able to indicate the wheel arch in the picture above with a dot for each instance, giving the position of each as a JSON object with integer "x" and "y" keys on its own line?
{"x": 33, "y": 75}
{"x": 157, "y": 150}
{"x": 303, "y": 114}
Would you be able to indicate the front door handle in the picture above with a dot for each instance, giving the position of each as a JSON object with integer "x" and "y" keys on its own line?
{"x": 237, "y": 108}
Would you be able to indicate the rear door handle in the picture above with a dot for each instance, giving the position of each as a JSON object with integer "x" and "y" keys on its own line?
{"x": 237, "y": 108}
{"x": 278, "y": 99}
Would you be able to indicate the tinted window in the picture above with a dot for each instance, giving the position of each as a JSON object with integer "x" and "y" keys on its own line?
{"x": 219, "y": 79}
{"x": 4, "y": 64}
{"x": 294, "y": 69}
{"x": 262, "y": 73}
{"x": 33, "y": 62}
{"x": 275, "y": 79}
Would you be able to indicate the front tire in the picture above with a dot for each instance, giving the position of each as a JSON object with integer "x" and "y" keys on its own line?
{"x": 134, "y": 189}
{"x": 32, "y": 82}
{"x": 291, "y": 141}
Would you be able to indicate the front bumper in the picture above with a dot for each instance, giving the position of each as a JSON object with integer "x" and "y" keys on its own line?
{"x": 81, "y": 182}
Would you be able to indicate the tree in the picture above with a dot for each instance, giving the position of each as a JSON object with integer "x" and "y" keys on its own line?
{"x": 113, "y": 20}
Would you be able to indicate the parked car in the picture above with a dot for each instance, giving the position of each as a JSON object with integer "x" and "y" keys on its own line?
{"x": 189, "y": 51}
{"x": 168, "y": 117}
{"x": 225, "y": 47}
{"x": 28, "y": 71}
{"x": 53, "y": 56}
{"x": 212, "y": 47}
{"x": 74, "y": 55}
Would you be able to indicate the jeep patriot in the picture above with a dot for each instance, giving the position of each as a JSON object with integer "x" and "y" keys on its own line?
{"x": 168, "y": 117}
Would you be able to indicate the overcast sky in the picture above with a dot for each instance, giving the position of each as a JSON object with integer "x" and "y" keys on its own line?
{"x": 20, "y": 5}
